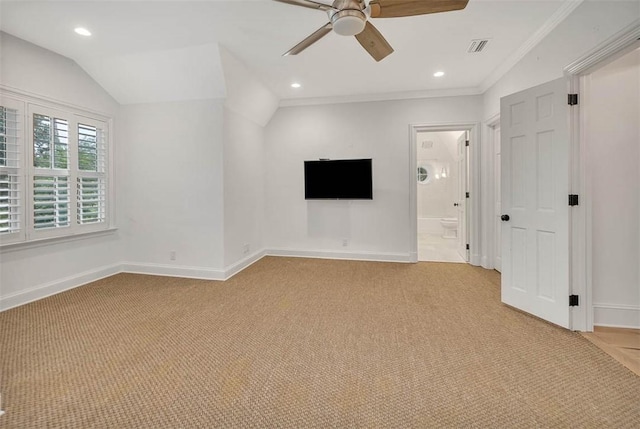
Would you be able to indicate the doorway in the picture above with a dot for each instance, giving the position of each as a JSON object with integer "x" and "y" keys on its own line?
{"x": 442, "y": 183}
{"x": 583, "y": 120}
{"x": 611, "y": 107}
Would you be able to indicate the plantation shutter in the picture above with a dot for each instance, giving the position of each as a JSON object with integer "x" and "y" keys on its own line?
{"x": 51, "y": 197}
{"x": 91, "y": 186}
{"x": 11, "y": 170}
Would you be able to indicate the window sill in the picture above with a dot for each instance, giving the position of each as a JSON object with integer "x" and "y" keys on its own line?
{"x": 24, "y": 245}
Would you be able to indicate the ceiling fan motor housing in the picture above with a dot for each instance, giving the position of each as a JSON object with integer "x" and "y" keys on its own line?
{"x": 348, "y": 22}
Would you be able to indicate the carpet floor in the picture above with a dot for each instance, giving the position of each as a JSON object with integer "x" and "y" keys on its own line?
{"x": 303, "y": 343}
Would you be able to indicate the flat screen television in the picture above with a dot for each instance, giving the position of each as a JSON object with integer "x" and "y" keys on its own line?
{"x": 340, "y": 179}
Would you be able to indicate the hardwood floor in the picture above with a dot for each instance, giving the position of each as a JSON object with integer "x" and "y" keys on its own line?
{"x": 622, "y": 344}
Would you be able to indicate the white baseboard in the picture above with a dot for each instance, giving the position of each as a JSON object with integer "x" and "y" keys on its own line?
{"x": 329, "y": 254}
{"x": 616, "y": 316}
{"x": 244, "y": 263}
{"x": 484, "y": 263}
{"x": 57, "y": 286}
{"x": 173, "y": 271}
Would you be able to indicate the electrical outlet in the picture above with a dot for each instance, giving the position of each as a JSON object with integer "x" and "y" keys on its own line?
{"x": 245, "y": 249}
{"x": 172, "y": 255}
{"x": 345, "y": 242}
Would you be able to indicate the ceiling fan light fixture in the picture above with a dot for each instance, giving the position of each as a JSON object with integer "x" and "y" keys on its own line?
{"x": 348, "y": 22}
{"x": 438, "y": 74}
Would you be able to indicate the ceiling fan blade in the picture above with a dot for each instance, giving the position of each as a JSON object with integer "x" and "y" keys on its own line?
{"x": 371, "y": 39}
{"x": 397, "y": 8}
{"x": 313, "y": 38}
{"x": 307, "y": 3}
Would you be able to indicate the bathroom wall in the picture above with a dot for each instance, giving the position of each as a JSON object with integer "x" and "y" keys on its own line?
{"x": 436, "y": 198}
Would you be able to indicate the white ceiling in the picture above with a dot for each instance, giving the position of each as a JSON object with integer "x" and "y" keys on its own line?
{"x": 144, "y": 51}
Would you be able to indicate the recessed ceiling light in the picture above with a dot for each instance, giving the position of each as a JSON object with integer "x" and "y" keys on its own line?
{"x": 82, "y": 31}
{"x": 438, "y": 74}
{"x": 295, "y": 85}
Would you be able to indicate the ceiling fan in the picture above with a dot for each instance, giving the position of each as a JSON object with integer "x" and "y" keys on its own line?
{"x": 351, "y": 18}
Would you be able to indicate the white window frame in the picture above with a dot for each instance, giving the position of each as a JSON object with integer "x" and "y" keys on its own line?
{"x": 27, "y": 105}
{"x": 20, "y": 106}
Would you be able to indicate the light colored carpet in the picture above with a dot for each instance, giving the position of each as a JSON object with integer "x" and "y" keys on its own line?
{"x": 303, "y": 343}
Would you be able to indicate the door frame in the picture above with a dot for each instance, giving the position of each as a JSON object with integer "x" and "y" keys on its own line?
{"x": 580, "y": 271}
{"x": 490, "y": 235}
{"x": 472, "y": 210}
{"x": 488, "y": 192}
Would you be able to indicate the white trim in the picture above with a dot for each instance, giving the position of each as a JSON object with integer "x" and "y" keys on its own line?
{"x": 234, "y": 269}
{"x": 488, "y": 192}
{"x": 57, "y": 286}
{"x": 473, "y": 209}
{"x": 203, "y": 273}
{"x": 25, "y": 245}
{"x": 550, "y": 24}
{"x": 607, "y": 50}
{"x": 616, "y": 316}
{"x": 580, "y": 216}
{"x": 385, "y": 96}
{"x": 330, "y": 254}
{"x": 51, "y": 288}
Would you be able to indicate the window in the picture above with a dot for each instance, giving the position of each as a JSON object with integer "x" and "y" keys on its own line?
{"x": 11, "y": 175}
{"x": 60, "y": 158}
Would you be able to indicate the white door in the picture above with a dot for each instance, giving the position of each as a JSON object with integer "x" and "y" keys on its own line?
{"x": 462, "y": 198}
{"x": 497, "y": 263}
{"x": 535, "y": 188}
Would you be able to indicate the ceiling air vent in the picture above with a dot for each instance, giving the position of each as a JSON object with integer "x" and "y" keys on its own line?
{"x": 477, "y": 45}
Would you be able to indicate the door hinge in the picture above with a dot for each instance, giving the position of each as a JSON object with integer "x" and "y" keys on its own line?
{"x": 466, "y": 143}
{"x": 573, "y": 301}
{"x": 573, "y": 99}
{"x": 467, "y": 247}
{"x": 467, "y": 195}
{"x": 573, "y": 199}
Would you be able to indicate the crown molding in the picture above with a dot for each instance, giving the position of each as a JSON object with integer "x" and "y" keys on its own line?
{"x": 383, "y": 96}
{"x": 618, "y": 43}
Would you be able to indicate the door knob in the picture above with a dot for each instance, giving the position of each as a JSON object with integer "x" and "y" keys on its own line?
{"x": 504, "y": 218}
{"x": 456, "y": 204}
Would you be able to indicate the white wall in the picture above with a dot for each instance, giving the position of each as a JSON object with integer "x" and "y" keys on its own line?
{"x": 243, "y": 187}
{"x": 589, "y": 25}
{"x": 613, "y": 154}
{"x": 249, "y": 105}
{"x": 377, "y": 229}
{"x": 38, "y": 71}
{"x": 170, "y": 185}
{"x": 28, "y": 272}
{"x": 436, "y": 198}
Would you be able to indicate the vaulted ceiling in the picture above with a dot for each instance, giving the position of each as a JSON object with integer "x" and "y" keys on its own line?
{"x": 146, "y": 51}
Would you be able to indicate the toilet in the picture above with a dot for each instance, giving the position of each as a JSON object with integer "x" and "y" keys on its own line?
{"x": 450, "y": 225}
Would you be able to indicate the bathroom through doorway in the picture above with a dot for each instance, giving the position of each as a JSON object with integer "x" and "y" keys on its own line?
{"x": 442, "y": 181}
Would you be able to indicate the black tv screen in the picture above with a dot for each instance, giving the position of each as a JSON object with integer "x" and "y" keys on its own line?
{"x": 343, "y": 179}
